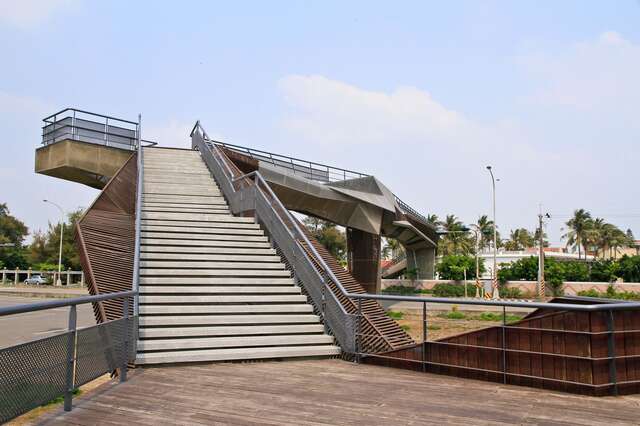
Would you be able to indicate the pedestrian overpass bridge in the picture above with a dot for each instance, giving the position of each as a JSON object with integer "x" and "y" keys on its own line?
{"x": 193, "y": 256}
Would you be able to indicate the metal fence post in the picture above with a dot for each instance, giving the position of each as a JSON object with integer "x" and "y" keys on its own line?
{"x": 125, "y": 344}
{"x": 71, "y": 352}
{"x": 359, "y": 331}
{"x": 424, "y": 336}
{"x": 504, "y": 345}
{"x": 611, "y": 353}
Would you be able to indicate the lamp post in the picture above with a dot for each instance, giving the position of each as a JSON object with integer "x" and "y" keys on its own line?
{"x": 494, "y": 278}
{"x": 59, "y": 281}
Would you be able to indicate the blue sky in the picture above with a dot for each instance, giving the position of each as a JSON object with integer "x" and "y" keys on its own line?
{"x": 421, "y": 94}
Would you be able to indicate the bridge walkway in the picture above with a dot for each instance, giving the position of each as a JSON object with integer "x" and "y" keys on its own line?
{"x": 329, "y": 392}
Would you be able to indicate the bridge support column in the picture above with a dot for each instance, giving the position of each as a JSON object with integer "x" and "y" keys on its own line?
{"x": 363, "y": 255}
{"x": 422, "y": 261}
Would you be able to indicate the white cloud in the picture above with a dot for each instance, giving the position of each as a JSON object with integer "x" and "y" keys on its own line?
{"x": 599, "y": 76}
{"x": 29, "y": 13}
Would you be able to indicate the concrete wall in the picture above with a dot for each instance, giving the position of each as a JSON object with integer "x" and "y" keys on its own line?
{"x": 570, "y": 288}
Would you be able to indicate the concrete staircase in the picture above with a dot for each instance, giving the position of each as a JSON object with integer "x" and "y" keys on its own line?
{"x": 211, "y": 286}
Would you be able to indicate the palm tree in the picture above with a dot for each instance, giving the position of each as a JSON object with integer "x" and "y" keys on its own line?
{"x": 432, "y": 219}
{"x": 519, "y": 239}
{"x": 579, "y": 227}
{"x": 456, "y": 239}
{"x": 485, "y": 228}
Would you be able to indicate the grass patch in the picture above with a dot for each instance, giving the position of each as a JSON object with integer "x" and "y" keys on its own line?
{"x": 495, "y": 316}
{"x": 60, "y": 399}
{"x": 401, "y": 290}
{"x": 433, "y": 327}
{"x": 405, "y": 327}
{"x": 395, "y": 315}
{"x": 454, "y": 315}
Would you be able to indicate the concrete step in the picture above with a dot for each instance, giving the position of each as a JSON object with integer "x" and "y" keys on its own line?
{"x": 213, "y": 204}
{"x": 154, "y": 264}
{"x": 248, "y": 298}
{"x": 203, "y": 355}
{"x": 199, "y": 217}
{"x": 196, "y": 226}
{"x": 197, "y": 230}
{"x": 204, "y": 243}
{"x": 233, "y": 330}
{"x": 218, "y": 209}
{"x": 209, "y": 250}
{"x": 144, "y": 280}
{"x": 178, "y": 198}
{"x": 225, "y": 309}
{"x": 165, "y": 272}
{"x": 233, "y": 342}
{"x": 175, "y": 171}
{"x": 152, "y": 321}
{"x": 204, "y": 237}
{"x": 212, "y": 258}
{"x": 225, "y": 289}
{"x": 179, "y": 190}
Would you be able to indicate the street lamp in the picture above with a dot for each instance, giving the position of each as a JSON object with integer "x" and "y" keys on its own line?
{"x": 59, "y": 281}
{"x": 494, "y": 282}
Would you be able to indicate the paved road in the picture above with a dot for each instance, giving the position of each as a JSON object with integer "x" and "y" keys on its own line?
{"x": 21, "y": 328}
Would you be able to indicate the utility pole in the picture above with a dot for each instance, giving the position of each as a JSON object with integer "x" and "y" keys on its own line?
{"x": 541, "y": 283}
{"x": 494, "y": 279}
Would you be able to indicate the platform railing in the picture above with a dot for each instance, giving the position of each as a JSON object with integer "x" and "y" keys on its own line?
{"x": 251, "y": 193}
{"x": 90, "y": 127}
{"x": 39, "y": 371}
{"x": 589, "y": 346}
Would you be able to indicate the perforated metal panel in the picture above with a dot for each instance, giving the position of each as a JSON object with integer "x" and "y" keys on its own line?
{"x": 34, "y": 373}
{"x": 31, "y": 374}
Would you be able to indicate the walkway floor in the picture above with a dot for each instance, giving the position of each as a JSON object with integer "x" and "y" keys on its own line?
{"x": 329, "y": 392}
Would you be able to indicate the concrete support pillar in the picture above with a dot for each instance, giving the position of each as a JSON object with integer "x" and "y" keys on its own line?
{"x": 15, "y": 278}
{"x": 29, "y": 272}
{"x": 81, "y": 279}
{"x": 363, "y": 256}
{"x": 4, "y": 276}
{"x": 422, "y": 261}
{"x": 69, "y": 276}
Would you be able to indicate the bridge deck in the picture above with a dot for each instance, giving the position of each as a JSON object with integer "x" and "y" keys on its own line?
{"x": 329, "y": 392}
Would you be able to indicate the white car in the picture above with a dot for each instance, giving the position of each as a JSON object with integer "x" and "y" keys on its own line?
{"x": 36, "y": 279}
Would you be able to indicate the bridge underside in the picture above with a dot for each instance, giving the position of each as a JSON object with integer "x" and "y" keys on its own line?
{"x": 87, "y": 163}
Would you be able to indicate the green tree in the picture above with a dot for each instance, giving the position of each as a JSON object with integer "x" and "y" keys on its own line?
{"x": 579, "y": 228}
{"x": 45, "y": 246}
{"x": 456, "y": 239}
{"x": 329, "y": 235}
{"x": 485, "y": 228}
{"x": 12, "y": 234}
{"x": 452, "y": 267}
{"x": 519, "y": 239}
{"x": 629, "y": 268}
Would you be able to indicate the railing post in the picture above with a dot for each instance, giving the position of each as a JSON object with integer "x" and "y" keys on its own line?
{"x": 15, "y": 277}
{"x": 4, "y": 276}
{"x": 359, "y": 331}
{"x": 106, "y": 131}
{"x": 424, "y": 336}
{"x": 323, "y": 300}
{"x": 71, "y": 352}
{"x": 611, "y": 353}
{"x": 125, "y": 344}
{"x": 504, "y": 345}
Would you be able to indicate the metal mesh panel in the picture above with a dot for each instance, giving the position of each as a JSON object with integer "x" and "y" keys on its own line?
{"x": 32, "y": 374}
{"x": 100, "y": 348}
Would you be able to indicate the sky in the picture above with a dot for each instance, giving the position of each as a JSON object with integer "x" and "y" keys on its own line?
{"x": 423, "y": 95}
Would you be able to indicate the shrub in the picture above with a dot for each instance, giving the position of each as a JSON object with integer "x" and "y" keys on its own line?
{"x": 450, "y": 290}
{"x": 400, "y": 290}
{"x": 495, "y": 316}
{"x": 451, "y": 267}
{"x": 611, "y": 293}
{"x": 453, "y": 314}
{"x": 510, "y": 292}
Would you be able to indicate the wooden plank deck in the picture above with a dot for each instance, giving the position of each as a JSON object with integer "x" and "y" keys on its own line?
{"x": 329, "y": 392}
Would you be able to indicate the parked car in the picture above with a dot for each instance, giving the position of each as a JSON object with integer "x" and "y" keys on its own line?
{"x": 37, "y": 280}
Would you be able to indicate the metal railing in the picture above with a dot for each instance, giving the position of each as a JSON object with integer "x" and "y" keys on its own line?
{"x": 508, "y": 352}
{"x": 314, "y": 171}
{"x": 90, "y": 127}
{"x": 394, "y": 261}
{"x": 36, "y": 372}
{"x": 244, "y": 194}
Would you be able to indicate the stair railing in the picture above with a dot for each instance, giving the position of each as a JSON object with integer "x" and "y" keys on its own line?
{"x": 245, "y": 194}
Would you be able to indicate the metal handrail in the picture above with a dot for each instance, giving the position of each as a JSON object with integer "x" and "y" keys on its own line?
{"x": 60, "y": 303}
{"x": 88, "y": 113}
{"x": 138, "y": 224}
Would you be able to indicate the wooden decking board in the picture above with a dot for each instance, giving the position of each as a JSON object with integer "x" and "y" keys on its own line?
{"x": 329, "y": 392}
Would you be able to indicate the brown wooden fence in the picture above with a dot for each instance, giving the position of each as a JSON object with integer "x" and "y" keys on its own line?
{"x": 105, "y": 237}
{"x": 595, "y": 353}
